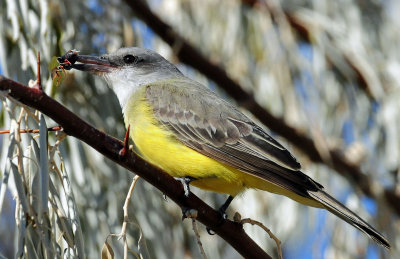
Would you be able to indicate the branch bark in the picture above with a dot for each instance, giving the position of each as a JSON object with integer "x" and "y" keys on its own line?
{"x": 189, "y": 55}
{"x": 110, "y": 147}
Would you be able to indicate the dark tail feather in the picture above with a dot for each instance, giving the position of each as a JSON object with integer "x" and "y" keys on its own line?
{"x": 347, "y": 215}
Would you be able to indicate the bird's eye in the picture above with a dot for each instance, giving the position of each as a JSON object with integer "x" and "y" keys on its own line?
{"x": 130, "y": 59}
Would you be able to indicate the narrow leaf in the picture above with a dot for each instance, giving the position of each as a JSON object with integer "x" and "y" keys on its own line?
{"x": 107, "y": 251}
{"x": 44, "y": 172}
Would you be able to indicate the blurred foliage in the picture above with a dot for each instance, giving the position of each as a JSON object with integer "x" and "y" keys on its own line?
{"x": 329, "y": 68}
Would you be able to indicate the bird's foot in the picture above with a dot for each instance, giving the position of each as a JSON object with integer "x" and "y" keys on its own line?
{"x": 222, "y": 212}
{"x": 223, "y": 217}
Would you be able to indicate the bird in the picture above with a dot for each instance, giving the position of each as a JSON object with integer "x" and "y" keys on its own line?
{"x": 191, "y": 133}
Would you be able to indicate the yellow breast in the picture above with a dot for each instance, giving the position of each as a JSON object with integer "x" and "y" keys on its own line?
{"x": 159, "y": 146}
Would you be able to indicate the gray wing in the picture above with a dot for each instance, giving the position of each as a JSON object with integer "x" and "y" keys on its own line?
{"x": 206, "y": 123}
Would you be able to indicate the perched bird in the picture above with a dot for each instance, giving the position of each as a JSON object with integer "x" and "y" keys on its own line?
{"x": 187, "y": 130}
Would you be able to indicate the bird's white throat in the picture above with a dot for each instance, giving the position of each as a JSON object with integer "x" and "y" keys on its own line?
{"x": 126, "y": 82}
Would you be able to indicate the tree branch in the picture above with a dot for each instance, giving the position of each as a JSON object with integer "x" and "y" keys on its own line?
{"x": 189, "y": 55}
{"x": 110, "y": 147}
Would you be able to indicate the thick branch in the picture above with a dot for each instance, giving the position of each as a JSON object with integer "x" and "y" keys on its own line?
{"x": 232, "y": 232}
{"x": 189, "y": 55}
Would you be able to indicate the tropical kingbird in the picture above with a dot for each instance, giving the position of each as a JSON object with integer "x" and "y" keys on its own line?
{"x": 187, "y": 130}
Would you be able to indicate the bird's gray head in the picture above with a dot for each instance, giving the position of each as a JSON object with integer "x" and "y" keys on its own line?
{"x": 126, "y": 69}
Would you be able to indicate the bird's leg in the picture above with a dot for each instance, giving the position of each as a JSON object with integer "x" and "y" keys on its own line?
{"x": 186, "y": 211}
{"x": 185, "y": 182}
{"x": 124, "y": 151}
{"x": 225, "y": 206}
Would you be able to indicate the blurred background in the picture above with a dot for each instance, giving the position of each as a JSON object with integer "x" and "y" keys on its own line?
{"x": 328, "y": 69}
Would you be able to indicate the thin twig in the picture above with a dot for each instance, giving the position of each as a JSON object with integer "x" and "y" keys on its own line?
{"x": 39, "y": 80}
{"x": 237, "y": 218}
{"x": 56, "y": 128}
{"x": 192, "y": 214}
{"x": 126, "y": 216}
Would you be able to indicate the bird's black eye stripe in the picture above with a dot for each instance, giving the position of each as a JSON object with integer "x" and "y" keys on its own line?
{"x": 130, "y": 59}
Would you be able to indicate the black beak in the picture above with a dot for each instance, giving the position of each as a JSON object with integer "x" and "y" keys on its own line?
{"x": 92, "y": 64}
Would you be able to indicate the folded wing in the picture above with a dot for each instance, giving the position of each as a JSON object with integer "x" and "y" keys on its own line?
{"x": 206, "y": 123}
